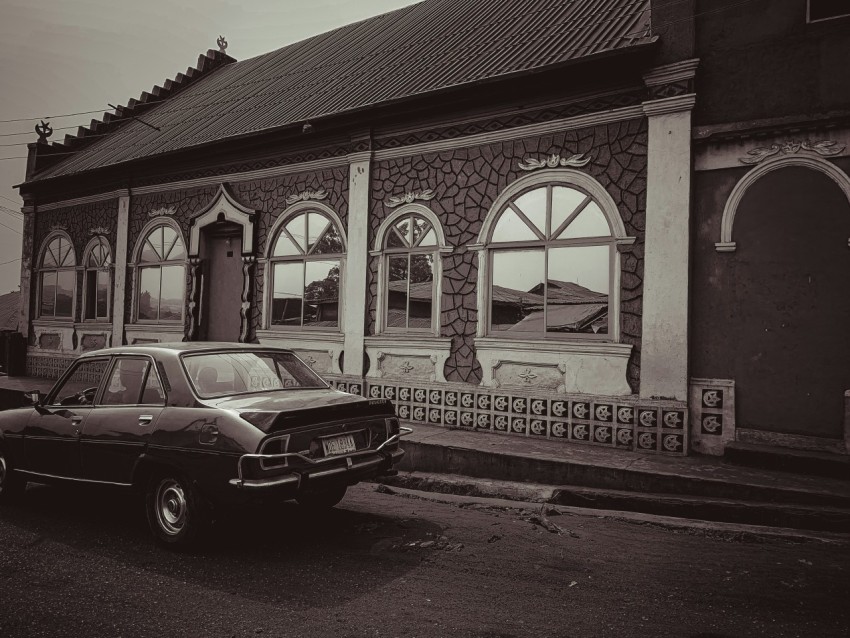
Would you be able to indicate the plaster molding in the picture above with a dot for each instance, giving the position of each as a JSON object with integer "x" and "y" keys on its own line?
{"x": 91, "y": 199}
{"x": 360, "y": 156}
{"x": 669, "y": 73}
{"x": 577, "y": 160}
{"x": 409, "y": 197}
{"x": 307, "y": 195}
{"x": 824, "y": 148}
{"x": 667, "y": 105}
{"x": 224, "y": 204}
{"x": 814, "y": 162}
{"x": 162, "y": 212}
{"x": 528, "y": 130}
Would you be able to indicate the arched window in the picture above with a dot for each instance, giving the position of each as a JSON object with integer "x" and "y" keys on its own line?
{"x": 410, "y": 252}
{"x": 98, "y": 261}
{"x": 161, "y": 275}
{"x": 551, "y": 256}
{"x": 305, "y": 269}
{"x": 57, "y": 279}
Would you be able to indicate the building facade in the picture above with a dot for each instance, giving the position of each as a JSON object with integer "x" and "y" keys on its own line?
{"x": 521, "y": 229}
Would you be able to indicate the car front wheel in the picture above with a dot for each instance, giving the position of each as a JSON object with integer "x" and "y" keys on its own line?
{"x": 321, "y": 499}
{"x": 176, "y": 516}
{"x": 12, "y": 486}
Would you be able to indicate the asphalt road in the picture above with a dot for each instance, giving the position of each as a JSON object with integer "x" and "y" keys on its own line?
{"x": 80, "y": 563}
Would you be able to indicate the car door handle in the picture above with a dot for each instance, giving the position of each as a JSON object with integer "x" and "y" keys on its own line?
{"x": 76, "y": 420}
{"x": 145, "y": 419}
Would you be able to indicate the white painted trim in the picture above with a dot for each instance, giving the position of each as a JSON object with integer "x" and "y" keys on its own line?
{"x": 39, "y": 268}
{"x": 354, "y": 288}
{"x": 436, "y": 350}
{"x": 813, "y": 161}
{"x": 293, "y": 210}
{"x": 110, "y": 303}
{"x": 53, "y": 234}
{"x": 406, "y": 209}
{"x": 91, "y": 199}
{"x": 676, "y": 72}
{"x": 667, "y": 105}
{"x": 223, "y": 204}
{"x": 360, "y": 156}
{"x": 119, "y": 275}
{"x": 146, "y": 230}
{"x": 528, "y": 130}
{"x": 134, "y": 268}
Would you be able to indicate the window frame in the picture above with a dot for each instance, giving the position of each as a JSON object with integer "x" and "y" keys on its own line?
{"x": 98, "y": 240}
{"x": 60, "y": 382}
{"x": 139, "y": 266}
{"x": 110, "y": 369}
{"x": 292, "y": 213}
{"x": 42, "y": 270}
{"x": 810, "y": 20}
{"x": 550, "y": 178}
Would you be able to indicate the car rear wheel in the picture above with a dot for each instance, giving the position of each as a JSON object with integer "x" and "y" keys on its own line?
{"x": 12, "y": 485}
{"x": 321, "y": 499}
{"x": 176, "y": 515}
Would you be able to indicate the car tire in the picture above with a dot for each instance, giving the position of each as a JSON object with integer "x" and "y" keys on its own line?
{"x": 321, "y": 499}
{"x": 176, "y": 515}
{"x": 12, "y": 485}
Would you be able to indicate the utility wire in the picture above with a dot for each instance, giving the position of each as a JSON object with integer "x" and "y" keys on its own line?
{"x": 3, "y": 263}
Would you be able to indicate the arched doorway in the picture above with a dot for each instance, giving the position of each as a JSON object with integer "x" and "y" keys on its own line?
{"x": 791, "y": 316}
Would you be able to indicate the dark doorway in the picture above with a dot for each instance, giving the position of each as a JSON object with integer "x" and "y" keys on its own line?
{"x": 222, "y": 255}
{"x": 792, "y": 293}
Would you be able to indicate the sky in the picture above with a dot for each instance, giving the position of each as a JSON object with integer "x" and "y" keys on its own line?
{"x": 69, "y": 56}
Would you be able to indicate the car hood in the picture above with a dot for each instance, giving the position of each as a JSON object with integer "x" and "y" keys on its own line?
{"x": 288, "y": 409}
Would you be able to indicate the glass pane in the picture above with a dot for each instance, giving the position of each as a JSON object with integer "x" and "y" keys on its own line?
{"x": 125, "y": 382}
{"x": 394, "y": 240}
{"x": 65, "y": 292}
{"x": 316, "y": 225}
{"x": 94, "y": 257}
{"x": 579, "y": 278}
{"x": 149, "y": 293}
{"x": 65, "y": 257}
{"x": 533, "y": 205}
{"x": 510, "y": 227}
{"x": 84, "y": 376}
{"x": 516, "y": 296}
{"x": 148, "y": 252}
{"x": 321, "y": 293}
{"x": 298, "y": 229}
{"x": 51, "y": 254}
{"x": 102, "y": 294}
{"x": 284, "y": 247}
{"x": 173, "y": 286}
{"x": 48, "y": 294}
{"x": 421, "y": 291}
{"x": 330, "y": 243}
{"x": 91, "y": 293}
{"x": 177, "y": 250}
{"x": 420, "y": 226}
{"x": 287, "y": 293}
{"x": 564, "y": 203}
{"x": 403, "y": 228}
{"x": 397, "y": 292}
{"x": 590, "y": 222}
{"x": 157, "y": 240}
{"x": 430, "y": 239}
{"x": 153, "y": 393}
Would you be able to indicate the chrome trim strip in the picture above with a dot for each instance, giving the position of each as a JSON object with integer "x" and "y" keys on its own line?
{"x": 70, "y": 478}
{"x": 285, "y": 480}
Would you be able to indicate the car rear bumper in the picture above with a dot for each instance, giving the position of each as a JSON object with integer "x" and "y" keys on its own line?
{"x": 344, "y": 469}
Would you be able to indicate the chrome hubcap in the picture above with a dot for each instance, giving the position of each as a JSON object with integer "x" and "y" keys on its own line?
{"x": 171, "y": 506}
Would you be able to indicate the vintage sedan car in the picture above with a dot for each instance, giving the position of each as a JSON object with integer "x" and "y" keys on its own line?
{"x": 198, "y": 427}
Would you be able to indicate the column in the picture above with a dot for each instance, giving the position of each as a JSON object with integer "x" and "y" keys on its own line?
{"x": 664, "y": 353}
{"x": 120, "y": 274}
{"x": 27, "y": 258}
{"x": 355, "y": 292}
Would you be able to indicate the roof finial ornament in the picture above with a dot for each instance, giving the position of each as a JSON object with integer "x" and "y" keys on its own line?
{"x": 44, "y": 131}
{"x": 222, "y": 44}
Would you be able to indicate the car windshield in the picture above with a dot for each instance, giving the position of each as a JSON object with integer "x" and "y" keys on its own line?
{"x": 224, "y": 373}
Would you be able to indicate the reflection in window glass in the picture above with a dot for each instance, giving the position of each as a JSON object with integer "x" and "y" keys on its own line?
{"x": 149, "y": 293}
{"x": 517, "y": 290}
{"x": 288, "y": 293}
{"x": 321, "y": 293}
{"x": 125, "y": 382}
{"x": 161, "y": 288}
{"x": 511, "y": 228}
{"x": 56, "y": 299}
{"x": 590, "y": 222}
{"x": 577, "y": 294}
{"x": 533, "y": 205}
{"x": 102, "y": 294}
{"x": 65, "y": 292}
{"x": 48, "y": 294}
{"x": 153, "y": 393}
{"x": 171, "y": 297}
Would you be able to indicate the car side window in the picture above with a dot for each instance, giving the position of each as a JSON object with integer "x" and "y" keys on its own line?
{"x": 125, "y": 382}
{"x": 153, "y": 393}
{"x": 81, "y": 385}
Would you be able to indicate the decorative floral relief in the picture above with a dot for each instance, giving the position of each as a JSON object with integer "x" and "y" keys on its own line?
{"x": 307, "y": 195}
{"x": 554, "y": 161}
{"x": 409, "y": 198}
{"x": 826, "y": 148}
{"x": 99, "y": 230}
{"x": 162, "y": 212}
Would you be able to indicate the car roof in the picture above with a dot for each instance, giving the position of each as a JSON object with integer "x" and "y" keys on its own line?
{"x": 180, "y": 347}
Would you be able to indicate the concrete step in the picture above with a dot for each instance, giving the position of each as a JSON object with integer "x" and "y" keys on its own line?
{"x": 555, "y": 464}
{"x": 792, "y": 516}
{"x": 781, "y": 459}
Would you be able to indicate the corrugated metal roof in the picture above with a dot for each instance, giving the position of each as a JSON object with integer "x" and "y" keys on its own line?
{"x": 426, "y": 47}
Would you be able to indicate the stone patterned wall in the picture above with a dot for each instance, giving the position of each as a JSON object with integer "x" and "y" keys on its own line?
{"x": 81, "y": 223}
{"x": 266, "y": 196}
{"x": 466, "y": 181}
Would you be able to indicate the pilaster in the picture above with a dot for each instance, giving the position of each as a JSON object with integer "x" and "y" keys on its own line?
{"x": 354, "y": 293}
{"x": 120, "y": 274}
{"x": 27, "y": 287}
{"x": 664, "y": 356}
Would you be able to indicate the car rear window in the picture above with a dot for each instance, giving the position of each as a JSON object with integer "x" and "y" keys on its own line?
{"x": 224, "y": 373}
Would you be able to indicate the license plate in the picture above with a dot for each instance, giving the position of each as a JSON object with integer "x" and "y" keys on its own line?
{"x": 339, "y": 445}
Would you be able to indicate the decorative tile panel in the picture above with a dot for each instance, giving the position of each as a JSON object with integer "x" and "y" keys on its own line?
{"x": 712, "y": 414}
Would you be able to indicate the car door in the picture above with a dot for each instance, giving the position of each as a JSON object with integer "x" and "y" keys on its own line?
{"x": 52, "y": 434}
{"x": 117, "y": 429}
